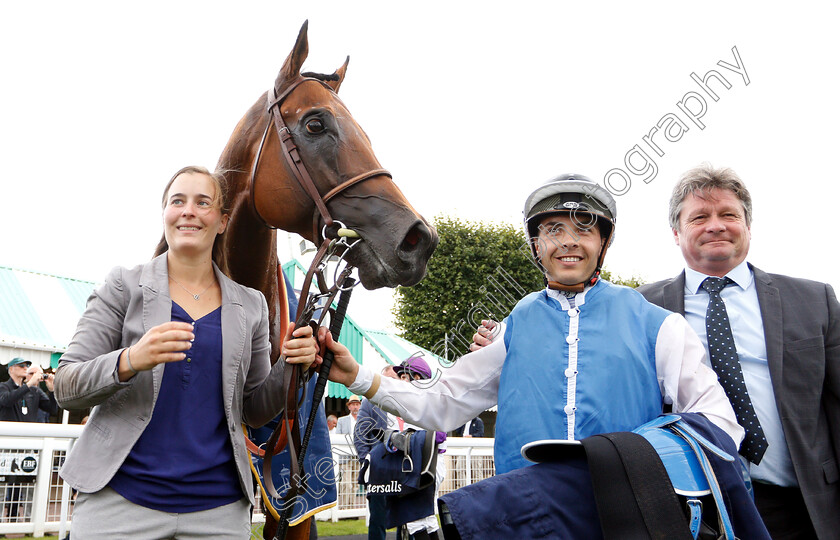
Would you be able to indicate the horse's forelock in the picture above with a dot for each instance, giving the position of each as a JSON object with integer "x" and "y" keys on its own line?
{"x": 321, "y": 76}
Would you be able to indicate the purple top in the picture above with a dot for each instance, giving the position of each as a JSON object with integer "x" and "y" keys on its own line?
{"x": 183, "y": 460}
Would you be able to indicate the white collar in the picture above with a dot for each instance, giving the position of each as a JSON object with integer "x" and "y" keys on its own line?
{"x": 741, "y": 275}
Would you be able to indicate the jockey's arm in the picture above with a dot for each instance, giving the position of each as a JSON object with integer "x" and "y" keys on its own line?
{"x": 453, "y": 396}
{"x": 687, "y": 381}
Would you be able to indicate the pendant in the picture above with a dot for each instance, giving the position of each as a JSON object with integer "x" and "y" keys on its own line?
{"x": 195, "y": 296}
{"x": 24, "y": 410}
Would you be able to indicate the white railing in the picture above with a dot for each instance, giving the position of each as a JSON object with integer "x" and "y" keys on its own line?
{"x": 41, "y": 502}
{"x": 468, "y": 460}
{"x": 34, "y": 499}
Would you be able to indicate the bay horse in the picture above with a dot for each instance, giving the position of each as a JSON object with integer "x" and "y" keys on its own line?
{"x": 265, "y": 194}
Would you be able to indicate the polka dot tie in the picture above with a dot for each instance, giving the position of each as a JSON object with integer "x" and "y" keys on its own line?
{"x": 724, "y": 360}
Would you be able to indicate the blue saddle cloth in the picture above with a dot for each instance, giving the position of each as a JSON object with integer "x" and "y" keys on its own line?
{"x": 407, "y": 485}
{"x": 556, "y": 500}
{"x": 393, "y": 473}
{"x": 318, "y": 469}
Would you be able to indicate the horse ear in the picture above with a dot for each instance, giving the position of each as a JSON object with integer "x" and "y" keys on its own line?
{"x": 340, "y": 74}
{"x": 291, "y": 67}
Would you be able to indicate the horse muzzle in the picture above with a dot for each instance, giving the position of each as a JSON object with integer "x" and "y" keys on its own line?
{"x": 386, "y": 264}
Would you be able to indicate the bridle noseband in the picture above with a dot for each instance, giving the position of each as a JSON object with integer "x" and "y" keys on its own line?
{"x": 295, "y": 162}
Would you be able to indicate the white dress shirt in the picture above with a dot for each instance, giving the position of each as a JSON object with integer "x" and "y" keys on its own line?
{"x": 744, "y": 313}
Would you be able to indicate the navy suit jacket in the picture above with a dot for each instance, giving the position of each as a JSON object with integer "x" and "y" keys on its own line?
{"x": 476, "y": 429}
{"x": 802, "y": 332}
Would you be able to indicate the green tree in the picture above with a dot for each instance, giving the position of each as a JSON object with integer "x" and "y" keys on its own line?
{"x": 633, "y": 281}
{"x": 479, "y": 270}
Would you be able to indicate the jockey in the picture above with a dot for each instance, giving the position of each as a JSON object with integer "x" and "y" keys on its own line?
{"x": 578, "y": 358}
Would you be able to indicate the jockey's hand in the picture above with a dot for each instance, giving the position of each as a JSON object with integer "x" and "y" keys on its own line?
{"x": 344, "y": 366}
{"x": 300, "y": 347}
{"x": 484, "y": 335}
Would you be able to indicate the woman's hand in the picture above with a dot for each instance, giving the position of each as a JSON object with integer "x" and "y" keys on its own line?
{"x": 167, "y": 342}
{"x": 344, "y": 367}
{"x": 300, "y": 347}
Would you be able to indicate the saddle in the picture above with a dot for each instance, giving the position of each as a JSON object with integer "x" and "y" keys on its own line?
{"x": 651, "y": 482}
{"x": 681, "y": 450}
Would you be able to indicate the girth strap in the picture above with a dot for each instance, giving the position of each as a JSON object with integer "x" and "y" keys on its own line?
{"x": 634, "y": 496}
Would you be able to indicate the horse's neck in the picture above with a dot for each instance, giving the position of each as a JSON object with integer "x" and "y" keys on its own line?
{"x": 252, "y": 261}
{"x": 251, "y": 247}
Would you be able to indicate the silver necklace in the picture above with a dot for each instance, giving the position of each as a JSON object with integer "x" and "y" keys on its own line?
{"x": 195, "y": 296}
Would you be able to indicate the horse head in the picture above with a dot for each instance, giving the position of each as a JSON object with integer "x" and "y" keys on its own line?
{"x": 334, "y": 151}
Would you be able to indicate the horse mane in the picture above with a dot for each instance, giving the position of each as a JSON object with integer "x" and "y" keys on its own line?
{"x": 321, "y": 76}
{"x": 235, "y": 157}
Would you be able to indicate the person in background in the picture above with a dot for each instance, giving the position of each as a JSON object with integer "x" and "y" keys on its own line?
{"x": 411, "y": 370}
{"x": 332, "y": 420}
{"x": 347, "y": 423}
{"x": 473, "y": 428}
{"x": 370, "y": 422}
{"x": 21, "y": 397}
{"x": 346, "y": 426}
{"x": 22, "y": 400}
{"x": 173, "y": 356}
{"x": 786, "y": 366}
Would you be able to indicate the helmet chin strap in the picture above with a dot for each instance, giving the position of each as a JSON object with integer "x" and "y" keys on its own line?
{"x": 577, "y": 287}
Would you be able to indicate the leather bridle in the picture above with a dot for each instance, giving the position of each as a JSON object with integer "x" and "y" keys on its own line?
{"x": 295, "y": 162}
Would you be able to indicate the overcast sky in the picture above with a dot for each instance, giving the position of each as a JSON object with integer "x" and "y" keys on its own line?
{"x": 470, "y": 106}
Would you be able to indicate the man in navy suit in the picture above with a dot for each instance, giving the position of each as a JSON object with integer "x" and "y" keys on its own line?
{"x": 787, "y": 336}
{"x": 473, "y": 428}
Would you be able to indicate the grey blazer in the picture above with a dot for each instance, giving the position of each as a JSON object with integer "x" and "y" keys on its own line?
{"x": 342, "y": 427}
{"x": 118, "y": 314}
{"x": 802, "y": 334}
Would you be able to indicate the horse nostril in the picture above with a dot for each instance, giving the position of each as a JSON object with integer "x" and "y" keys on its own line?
{"x": 416, "y": 237}
{"x": 411, "y": 238}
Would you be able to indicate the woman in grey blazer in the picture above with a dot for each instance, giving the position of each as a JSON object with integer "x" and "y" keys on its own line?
{"x": 173, "y": 356}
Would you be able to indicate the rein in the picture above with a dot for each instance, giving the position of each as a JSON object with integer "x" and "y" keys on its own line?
{"x": 293, "y": 379}
{"x": 296, "y": 483}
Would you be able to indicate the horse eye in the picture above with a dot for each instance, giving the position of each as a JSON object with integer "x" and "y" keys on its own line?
{"x": 315, "y": 126}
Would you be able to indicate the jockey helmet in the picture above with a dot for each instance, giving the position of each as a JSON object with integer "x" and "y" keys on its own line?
{"x": 414, "y": 366}
{"x": 583, "y": 199}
